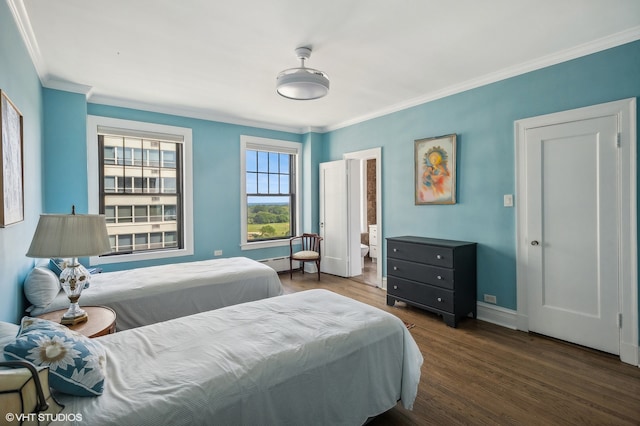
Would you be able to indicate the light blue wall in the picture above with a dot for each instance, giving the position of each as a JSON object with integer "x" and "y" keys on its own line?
{"x": 483, "y": 119}
{"x": 216, "y": 172}
{"x": 65, "y": 121}
{"x": 18, "y": 79}
{"x": 311, "y": 156}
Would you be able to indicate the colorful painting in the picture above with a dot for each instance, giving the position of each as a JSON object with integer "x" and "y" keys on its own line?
{"x": 435, "y": 170}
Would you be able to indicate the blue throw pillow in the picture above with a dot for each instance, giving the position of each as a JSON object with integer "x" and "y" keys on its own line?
{"x": 76, "y": 363}
{"x": 56, "y": 265}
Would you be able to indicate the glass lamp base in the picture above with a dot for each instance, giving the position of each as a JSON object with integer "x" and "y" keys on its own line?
{"x": 72, "y": 280}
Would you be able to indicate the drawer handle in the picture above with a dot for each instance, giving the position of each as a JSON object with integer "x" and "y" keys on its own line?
{"x": 395, "y": 268}
{"x": 438, "y": 256}
{"x": 439, "y": 277}
{"x": 439, "y": 299}
{"x": 395, "y": 287}
{"x": 395, "y": 250}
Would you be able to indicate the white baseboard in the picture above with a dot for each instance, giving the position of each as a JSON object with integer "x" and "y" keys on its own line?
{"x": 630, "y": 354}
{"x": 497, "y": 315}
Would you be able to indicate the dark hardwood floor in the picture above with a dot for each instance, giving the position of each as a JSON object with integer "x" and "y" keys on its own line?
{"x": 484, "y": 374}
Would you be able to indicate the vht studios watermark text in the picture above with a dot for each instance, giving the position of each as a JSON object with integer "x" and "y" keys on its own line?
{"x": 43, "y": 417}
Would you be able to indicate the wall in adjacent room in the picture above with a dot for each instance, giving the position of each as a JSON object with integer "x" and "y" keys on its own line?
{"x": 483, "y": 119}
{"x": 18, "y": 79}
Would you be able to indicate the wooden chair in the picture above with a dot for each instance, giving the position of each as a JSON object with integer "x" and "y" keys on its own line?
{"x": 309, "y": 251}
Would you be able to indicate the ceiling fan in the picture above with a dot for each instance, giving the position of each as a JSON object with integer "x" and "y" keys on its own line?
{"x": 302, "y": 83}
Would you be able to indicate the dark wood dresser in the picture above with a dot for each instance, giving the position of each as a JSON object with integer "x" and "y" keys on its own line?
{"x": 433, "y": 274}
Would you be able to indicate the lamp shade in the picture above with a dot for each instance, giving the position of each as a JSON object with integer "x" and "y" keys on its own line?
{"x": 70, "y": 235}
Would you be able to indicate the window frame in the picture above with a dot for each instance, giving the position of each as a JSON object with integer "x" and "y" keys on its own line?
{"x": 271, "y": 145}
{"x": 93, "y": 184}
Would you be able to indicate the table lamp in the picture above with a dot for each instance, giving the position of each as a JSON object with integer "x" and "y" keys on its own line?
{"x": 71, "y": 236}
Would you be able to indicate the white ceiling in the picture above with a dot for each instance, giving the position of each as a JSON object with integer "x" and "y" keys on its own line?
{"x": 219, "y": 59}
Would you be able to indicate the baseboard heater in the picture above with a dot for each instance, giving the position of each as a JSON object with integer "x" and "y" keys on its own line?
{"x": 279, "y": 264}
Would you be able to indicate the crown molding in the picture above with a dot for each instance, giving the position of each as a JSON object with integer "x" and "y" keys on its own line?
{"x": 67, "y": 86}
{"x": 194, "y": 113}
{"x": 23, "y": 23}
{"x": 614, "y": 40}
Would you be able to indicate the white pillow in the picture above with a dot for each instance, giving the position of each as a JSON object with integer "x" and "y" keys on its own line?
{"x": 41, "y": 286}
{"x": 8, "y": 333}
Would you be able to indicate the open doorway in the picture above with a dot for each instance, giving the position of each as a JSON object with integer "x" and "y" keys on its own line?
{"x": 370, "y": 203}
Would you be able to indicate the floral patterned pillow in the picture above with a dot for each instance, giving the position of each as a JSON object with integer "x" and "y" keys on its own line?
{"x": 76, "y": 363}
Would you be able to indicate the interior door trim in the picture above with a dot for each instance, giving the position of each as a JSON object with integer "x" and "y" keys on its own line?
{"x": 625, "y": 111}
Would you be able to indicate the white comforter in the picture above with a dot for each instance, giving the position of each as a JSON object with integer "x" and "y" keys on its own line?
{"x": 158, "y": 293}
{"x": 307, "y": 358}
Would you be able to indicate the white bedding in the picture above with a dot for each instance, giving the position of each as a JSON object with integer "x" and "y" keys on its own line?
{"x": 148, "y": 295}
{"x": 312, "y": 357}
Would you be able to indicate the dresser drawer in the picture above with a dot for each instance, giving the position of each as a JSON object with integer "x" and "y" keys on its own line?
{"x": 440, "y": 277}
{"x": 435, "y": 297}
{"x": 433, "y": 255}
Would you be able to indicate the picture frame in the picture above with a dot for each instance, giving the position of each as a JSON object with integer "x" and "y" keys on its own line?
{"x": 435, "y": 170}
{"x": 12, "y": 161}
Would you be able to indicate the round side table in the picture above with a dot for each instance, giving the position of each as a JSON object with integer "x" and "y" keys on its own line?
{"x": 102, "y": 321}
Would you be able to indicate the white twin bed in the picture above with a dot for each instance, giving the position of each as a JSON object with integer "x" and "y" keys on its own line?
{"x": 312, "y": 358}
{"x": 158, "y": 293}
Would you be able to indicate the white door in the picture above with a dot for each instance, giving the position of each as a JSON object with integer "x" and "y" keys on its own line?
{"x": 572, "y": 231}
{"x": 339, "y": 224}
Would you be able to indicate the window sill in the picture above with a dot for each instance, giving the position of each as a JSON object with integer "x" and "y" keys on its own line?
{"x": 135, "y": 257}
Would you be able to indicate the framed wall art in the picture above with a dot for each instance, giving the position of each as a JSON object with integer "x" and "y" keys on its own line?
{"x": 11, "y": 157}
{"x": 435, "y": 170}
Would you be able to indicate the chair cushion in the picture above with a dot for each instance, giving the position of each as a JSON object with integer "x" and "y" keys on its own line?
{"x": 305, "y": 255}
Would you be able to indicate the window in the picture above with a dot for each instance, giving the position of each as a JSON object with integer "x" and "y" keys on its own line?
{"x": 142, "y": 213}
{"x": 143, "y": 187}
{"x": 133, "y": 207}
{"x": 270, "y": 206}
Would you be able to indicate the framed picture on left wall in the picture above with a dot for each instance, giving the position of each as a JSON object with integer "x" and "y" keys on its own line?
{"x": 11, "y": 159}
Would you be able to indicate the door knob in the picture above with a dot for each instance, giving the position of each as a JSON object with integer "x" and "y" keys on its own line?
{"x": 535, "y": 243}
